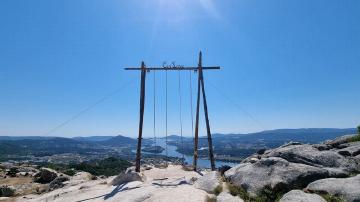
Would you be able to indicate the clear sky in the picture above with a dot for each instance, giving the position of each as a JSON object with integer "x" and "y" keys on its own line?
{"x": 285, "y": 64}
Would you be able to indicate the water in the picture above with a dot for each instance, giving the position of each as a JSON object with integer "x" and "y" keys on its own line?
{"x": 203, "y": 163}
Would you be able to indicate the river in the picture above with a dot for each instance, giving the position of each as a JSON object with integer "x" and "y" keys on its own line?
{"x": 203, "y": 163}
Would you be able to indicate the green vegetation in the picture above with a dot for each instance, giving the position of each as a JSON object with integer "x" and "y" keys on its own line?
{"x": 6, "y": 191}
{"x": 356, "y": 137}
{"x": 218, "y": 190}
{"x": 269, "y": 194}
{"x": 239, "y": 191}
{"x": 332, "y": 198}
{"x": 108, "y": 167}
{"x": 210, "y": 199}
{"x": 13, "y": 171}
{"x": 266, "y": 195}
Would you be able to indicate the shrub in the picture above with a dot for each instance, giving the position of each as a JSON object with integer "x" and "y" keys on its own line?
{"x": 265, "y": 195}
{"x": 238, "y": 191}
{"x": 108, "y": 167}
{"x": 268, "y": 194}
{"x": 332, "y": 198}
{"x": 6, "y": 191}
{"x": 70, "y": 172}
{"x": 210, "y": 199}
{"x": 355, "y": 138}
{"x": 12, "y": 172}
{"x": 218, "y": 190}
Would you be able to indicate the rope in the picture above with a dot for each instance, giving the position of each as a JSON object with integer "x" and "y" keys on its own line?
{"x": 154, "y": 124}
{"x": 223, "y": 95}
{"x": 180, "y": 107}
{"x": 191, "y": 107}
{"x": 88, "y": 108}
{"x": 166, "y": 116}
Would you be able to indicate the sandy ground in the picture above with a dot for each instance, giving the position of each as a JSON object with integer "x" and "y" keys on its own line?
{"x": 160, "y": 185}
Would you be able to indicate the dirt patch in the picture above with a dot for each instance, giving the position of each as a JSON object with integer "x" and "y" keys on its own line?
{"x": 15, "y": 180}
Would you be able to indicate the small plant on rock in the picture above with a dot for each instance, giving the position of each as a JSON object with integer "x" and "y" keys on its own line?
{"x": 238, "y": 191}
{"x": 356, "y": 137}
{"x": 265, "y": 195}
{"x": 218, "y": 190}
{"x": 210, "y": 199}
{"x": 332, "y": 198}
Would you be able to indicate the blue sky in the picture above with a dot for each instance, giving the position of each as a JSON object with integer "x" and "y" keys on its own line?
{"x": 285, "y": 64}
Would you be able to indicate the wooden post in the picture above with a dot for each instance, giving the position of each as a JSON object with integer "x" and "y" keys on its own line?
{"x": 211, "y": 154}
{"x": 142, "y": 106}
{"x": 196, "y": 139}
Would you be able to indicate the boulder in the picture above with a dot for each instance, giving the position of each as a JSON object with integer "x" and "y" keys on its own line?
{"x": 300, "y": 196}
{"x": 275, "y": 173}
{"x": 27, "y": 169}
{"x": 208, "y": 182}
{"x": 322, "y": 147}
{"x": 309, "y": 155}
{"x": 45, "y": 175}
{"x": 127, "y": 176}
{"x": 347, "y": 188}
{"x": 226, "y": 197}
{"x": 81, "y": 177}
{"x": 350, "y": 149}
{"x": 6, "y": 191}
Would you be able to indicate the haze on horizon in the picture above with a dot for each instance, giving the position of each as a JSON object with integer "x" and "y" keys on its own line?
{"x": 285, "y": 64}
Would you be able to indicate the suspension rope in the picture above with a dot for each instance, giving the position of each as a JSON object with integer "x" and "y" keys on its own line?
{"x": 180, "y": 117}
{"x": 166, "y": 117}
{"x": 154, "y": 115}
{"x": 191, "y": 107}
{"x": 88, "y": 108}
{"x": 237, "y": 106}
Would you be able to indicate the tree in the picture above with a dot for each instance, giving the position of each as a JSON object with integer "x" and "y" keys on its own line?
{"x": 358, "y": 129}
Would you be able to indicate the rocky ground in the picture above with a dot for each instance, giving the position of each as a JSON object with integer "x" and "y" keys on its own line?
{"x": 293, "y": 172}
{"x": 153, "y": 184}
{"x": 330, "y": 169}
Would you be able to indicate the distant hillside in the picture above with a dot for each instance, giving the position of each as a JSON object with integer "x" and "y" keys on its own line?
{"x": 24, "y": 137}
{"x": 45, "y": 146}
{"x": 93, "y": 138}
{"x": 307, "y": 135}
{"x": 118, "y": 141}
{"x": 174, "y": 137}
{"x": 243, "y": 145}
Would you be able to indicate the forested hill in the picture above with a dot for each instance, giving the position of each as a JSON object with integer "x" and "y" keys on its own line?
{"x": 307, "y": 135}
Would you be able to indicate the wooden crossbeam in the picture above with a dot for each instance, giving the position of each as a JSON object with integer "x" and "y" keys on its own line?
{"x": 172, "y": 68}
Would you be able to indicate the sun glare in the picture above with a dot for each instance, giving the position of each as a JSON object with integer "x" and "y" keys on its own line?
{"x": 176, "y": 11}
